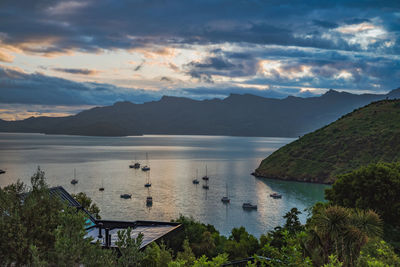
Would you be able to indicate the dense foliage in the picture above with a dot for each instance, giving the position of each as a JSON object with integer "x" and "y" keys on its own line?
{"x": 38, "y": 230}
{"x": 367, "y": 135}
{"x": 375, "y": 187}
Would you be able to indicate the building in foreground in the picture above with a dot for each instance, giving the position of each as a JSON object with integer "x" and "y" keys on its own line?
{"x": 105, "y": 231}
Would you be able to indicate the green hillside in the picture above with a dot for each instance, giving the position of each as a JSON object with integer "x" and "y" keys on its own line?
{"x": 366, "y": 135}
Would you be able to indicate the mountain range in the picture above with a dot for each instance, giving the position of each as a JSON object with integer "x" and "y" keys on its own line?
{"x": 236, "y": 115}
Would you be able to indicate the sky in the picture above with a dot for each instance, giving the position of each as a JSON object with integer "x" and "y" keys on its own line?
{"x": 60, "y": 57}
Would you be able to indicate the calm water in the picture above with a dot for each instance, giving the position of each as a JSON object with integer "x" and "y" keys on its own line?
{"x": 173, "y": 161}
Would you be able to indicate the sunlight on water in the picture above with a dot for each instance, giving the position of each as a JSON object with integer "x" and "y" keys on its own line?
{"x": 173, "y": 160}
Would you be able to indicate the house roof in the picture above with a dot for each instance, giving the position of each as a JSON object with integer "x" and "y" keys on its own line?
{"x": 151, "y": 230}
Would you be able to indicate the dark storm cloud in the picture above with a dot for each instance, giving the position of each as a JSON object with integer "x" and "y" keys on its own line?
{"x": 104, "y": 24}
{"x": 23, "y": 88}
{"x": 325, "y": 24}
{"x": 77, "y": 71}
{"x": 221, "y": 65}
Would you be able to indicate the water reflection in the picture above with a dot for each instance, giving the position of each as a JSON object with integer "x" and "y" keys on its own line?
{"x": 101, "y": 161}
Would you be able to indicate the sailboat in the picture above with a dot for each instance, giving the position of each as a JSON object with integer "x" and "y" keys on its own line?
{"x": 226, "y": 199}
{"x": 205, "y": 186}
{"x": 135, "y": 165}
{"x": 196, "y": 181}
{"x": 74, "y": 181}
{"x": 102, "y": 185}
{"x": 148, "y": 183}
{"x": 205, "y": 177}
{"x": 146, "y": 167}
{"x": 149, "y": 199}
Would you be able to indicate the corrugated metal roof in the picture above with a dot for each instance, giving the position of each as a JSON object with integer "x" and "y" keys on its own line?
{"x": 61, "y": 193}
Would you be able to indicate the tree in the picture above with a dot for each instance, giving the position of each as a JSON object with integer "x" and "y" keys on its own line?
{"x": 374, "y": 187}
{"x": 157, "y": 255}
{"x": 340, "y": 231}
{"x": 290, "y": 254}
{"x": 186, "y": 255}
{"x": 39, "y": 230}
{"x": 129, "y": 248}
{"x": 378, "y": 253}
{"x": 241, "y": 244}
{"x": 87, "y": 204}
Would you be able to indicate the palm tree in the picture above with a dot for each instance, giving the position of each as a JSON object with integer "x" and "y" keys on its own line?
{"x": 341, "y": 231}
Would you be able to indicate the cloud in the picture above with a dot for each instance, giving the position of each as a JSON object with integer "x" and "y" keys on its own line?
{"x": 77, "y": 71}
{"x": 325, "y": 24}
{"x": 48, "y": 27}
{"x": 25, "y": 88}
{"x": 139, "y": 67}
{"x": 165, "y": 79}
{"x": 280, "y": 45}
{"x": 6, "y": 57}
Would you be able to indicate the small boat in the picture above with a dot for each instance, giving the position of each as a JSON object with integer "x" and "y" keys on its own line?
{"x": 101, "y": 188}
{"x": 149, "y": 201}
{"x": 205, "y": 186}
{"x": 135, "y": 166}
{"x": 148, "y": 183}
{"x": 145, "y": 168}
{"x": 226, "y": 199}
{"x": 205, "y": 177}
{"x": 2, "y": 171}
{"x": 249, "y": 206}
{"x": 126, "y": 196}
{"x": 196, "y": 181}
{"x": 74, "y": 181}
{"x": 275, "y": 195}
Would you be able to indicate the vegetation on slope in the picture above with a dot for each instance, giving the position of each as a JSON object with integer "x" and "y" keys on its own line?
{"x": 367, "y": 135}
{"x": 40, "y": 231}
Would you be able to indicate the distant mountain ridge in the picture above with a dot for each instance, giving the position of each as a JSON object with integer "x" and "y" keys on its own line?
{"x": 236, "y": 115}
{"x": 367, "y": 135}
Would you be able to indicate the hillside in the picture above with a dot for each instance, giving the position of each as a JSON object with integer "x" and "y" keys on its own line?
{"x": 236, "y": 115}
{"x": 366, "y": 135}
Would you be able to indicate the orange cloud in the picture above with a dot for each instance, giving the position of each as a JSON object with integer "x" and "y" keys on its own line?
{"x": 5, "y": 57}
